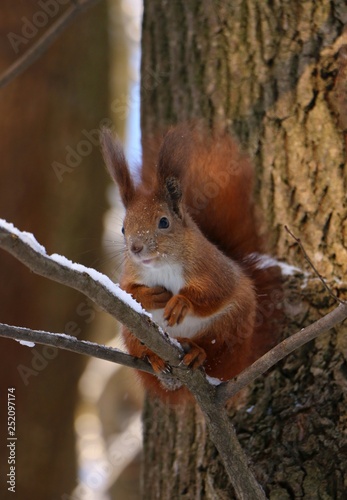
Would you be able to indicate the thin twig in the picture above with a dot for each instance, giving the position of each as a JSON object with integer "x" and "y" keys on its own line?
{"x": 328, "y": 289}
{"x": 73, "y": 344}
{"x": 39, "y": 47}
{"x": 229, "y": 389}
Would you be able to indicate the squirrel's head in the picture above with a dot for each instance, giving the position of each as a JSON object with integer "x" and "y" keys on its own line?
{"x": 155, "y": 220}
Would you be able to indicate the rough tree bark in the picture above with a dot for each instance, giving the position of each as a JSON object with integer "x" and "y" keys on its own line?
{"x": 273, "y": 73}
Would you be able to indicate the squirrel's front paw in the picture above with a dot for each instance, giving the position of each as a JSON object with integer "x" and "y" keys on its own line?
{"x": 195, "y": 355}
{"x": 158, "y": 364}
{"x": 155, "y": 297}
{"x": 176, "y": 310}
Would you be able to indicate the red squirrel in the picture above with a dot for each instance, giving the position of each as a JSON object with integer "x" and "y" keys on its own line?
{"x": 191, "y": 244}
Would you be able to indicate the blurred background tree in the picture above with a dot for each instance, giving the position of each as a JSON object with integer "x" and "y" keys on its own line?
{"x": 47, "y": 113}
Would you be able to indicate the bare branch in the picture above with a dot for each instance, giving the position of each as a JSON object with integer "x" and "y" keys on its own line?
{"x": 229, "y": 389}
{"x": 70, "y": 343}
{"x": 38, "y": 48}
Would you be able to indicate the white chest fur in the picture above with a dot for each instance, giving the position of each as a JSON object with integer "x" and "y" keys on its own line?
{"x": 190, "y": 326}
{"x": 171, "y": 277}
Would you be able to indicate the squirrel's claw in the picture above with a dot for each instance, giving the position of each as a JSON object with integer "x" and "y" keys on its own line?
{"x": 158, "y": 364}
{"x": 167, "y": 370}
{"x": 195, "y": 355}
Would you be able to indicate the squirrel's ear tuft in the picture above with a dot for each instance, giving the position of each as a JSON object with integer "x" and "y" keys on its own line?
{"x": 175, "y": 153}
{"x": 173, "y": 161}
{"x": 174, "y": 194}
{"x": 112, "y": 151}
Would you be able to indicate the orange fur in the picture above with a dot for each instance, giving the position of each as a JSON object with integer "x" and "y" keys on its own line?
{"x": 197, "y": 275}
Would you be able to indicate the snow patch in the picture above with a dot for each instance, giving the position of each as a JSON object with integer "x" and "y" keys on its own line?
{"x": 27, "y": 238}
{"x": 102, "y": 279}
{"x": 172, "y": 340}
{"x": 263, "y": 261}
{"x": 25, "y": 342}
{"x": 213, "y": 380}
{"x": 65, "y": 336}
{"x": 289, "y": 270}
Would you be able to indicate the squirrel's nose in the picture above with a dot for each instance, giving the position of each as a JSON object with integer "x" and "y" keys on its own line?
{"x": 136, "y": 247}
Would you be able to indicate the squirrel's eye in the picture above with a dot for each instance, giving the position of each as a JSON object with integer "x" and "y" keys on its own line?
{"x": 164, "y": 223}
{"x": 123, "y": 230}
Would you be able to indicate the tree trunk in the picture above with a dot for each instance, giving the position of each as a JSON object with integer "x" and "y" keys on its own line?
{"x": 273, "y": 73}
{"x": 45, "y": 115}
